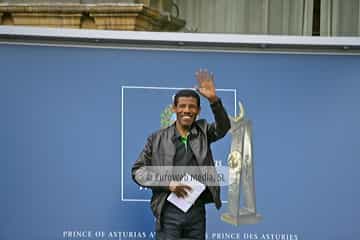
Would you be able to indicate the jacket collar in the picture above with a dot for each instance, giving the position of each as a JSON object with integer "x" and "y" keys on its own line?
{"x": 194, "y": 131}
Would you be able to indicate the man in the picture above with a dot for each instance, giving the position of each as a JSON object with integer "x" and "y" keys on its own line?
{"x": 184, "y": 143}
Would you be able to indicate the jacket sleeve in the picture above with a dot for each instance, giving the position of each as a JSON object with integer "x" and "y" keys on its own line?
{"x": 221, "y": 126}
{"x": 144, "y": 173}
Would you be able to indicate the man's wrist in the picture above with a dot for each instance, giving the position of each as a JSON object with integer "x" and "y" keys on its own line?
{"x": 172, "y": 186}
{"x": 213, "y": 99}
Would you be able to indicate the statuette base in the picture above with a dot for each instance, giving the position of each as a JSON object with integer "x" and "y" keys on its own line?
{"x": 245, "y": 217}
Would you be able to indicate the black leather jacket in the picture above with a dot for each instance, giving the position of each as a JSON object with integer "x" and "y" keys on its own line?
{"x": 159, "y": 150}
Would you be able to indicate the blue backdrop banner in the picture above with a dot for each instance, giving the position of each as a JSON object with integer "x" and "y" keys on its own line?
{"x": 73, "y": 121}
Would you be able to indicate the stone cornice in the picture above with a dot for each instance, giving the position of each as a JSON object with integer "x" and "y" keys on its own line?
{"x": 112, "y": 16}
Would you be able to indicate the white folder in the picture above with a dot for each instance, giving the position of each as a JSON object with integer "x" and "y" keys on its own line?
{"x": 196, "y": 189}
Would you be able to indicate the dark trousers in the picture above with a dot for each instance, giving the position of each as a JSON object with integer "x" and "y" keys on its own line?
{"x": 179, "y": 225}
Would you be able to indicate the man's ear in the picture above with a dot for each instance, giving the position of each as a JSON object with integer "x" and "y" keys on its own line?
{"x": 173, "y": 108}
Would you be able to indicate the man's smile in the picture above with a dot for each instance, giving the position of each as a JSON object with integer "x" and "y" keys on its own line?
{"x": 187, "y": 117}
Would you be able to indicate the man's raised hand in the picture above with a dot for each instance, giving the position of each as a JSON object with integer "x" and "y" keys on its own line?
{"x": 206, "y": 86}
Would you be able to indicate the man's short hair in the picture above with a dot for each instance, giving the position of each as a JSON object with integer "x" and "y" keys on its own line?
{"x": 186, "y": 93}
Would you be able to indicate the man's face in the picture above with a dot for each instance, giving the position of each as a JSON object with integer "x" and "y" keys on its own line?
{"x": 186, "y": 111}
